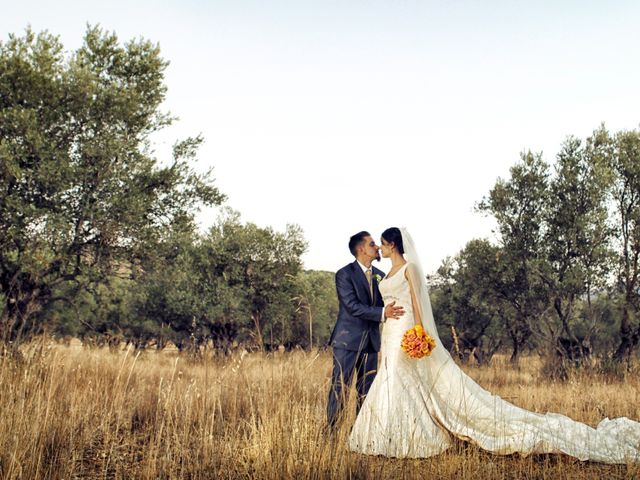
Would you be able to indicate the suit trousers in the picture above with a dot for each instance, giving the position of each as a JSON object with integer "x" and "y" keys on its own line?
{"x": 345, "y": 363}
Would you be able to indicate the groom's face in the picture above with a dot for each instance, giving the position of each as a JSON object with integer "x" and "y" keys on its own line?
{"x": 370, "y": 249}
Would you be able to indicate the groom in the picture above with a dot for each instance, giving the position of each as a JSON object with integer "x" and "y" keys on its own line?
{"x": 355, "y": 339}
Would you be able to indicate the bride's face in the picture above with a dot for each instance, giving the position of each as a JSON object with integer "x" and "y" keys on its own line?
{"x": 385, "y": 248}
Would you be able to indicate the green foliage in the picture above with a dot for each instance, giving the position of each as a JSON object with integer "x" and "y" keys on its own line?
{"x": 577, "y": 240}
{"x": 519, "y": 205}
{"x": 625, "y": 195}
{"x": 468, "y": 305}
{"x": 265, "y": 265}
{"x": 98, "y": 240}
{"x": 235, "y": 284}
{"x": 560, "y": 246}
{"x": 317, "y": 305}
{"x": 80, "y": 193}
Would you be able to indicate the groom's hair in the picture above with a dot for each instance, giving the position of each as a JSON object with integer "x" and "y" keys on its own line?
{"x": 356, "y": 240}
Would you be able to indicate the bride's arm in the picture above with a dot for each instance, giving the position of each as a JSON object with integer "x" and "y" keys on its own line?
{"x": 410, "y": 275}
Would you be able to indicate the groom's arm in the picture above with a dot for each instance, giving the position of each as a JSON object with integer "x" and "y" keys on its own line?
{"x": 347, "y": 296}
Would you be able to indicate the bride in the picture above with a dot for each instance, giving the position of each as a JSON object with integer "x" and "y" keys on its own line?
{"x": 415, "y": 407}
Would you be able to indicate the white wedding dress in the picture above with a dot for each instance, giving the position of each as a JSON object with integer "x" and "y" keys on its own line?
{"x": 414, "y": 407}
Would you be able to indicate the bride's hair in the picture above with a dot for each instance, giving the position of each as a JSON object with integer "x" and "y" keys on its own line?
{"x": 393, "y": 235}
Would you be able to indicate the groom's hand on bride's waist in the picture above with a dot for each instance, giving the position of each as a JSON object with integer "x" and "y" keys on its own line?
{"x": 391, "y": 311}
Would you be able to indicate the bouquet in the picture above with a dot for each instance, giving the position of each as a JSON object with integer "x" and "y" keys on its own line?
{"x": 417, "y": 343}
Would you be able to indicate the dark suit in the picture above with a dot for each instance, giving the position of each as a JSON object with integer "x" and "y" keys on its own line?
{"x": 356, "y": 336}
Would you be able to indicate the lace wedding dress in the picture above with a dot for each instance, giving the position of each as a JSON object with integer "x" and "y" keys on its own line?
{"x": 414, "y": 407}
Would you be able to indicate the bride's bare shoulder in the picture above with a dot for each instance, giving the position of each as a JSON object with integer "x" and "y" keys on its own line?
{"x": 411, "y": 272}
{"x": 408, "y": 268}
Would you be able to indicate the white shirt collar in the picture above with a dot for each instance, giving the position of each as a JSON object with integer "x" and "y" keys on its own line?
{"x": 364, "y": 269}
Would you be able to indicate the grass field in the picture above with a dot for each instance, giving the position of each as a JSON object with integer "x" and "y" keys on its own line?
{"x": 71, "y": 412}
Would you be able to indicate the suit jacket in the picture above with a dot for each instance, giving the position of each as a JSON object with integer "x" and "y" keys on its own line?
{"x": 358, "y": 325}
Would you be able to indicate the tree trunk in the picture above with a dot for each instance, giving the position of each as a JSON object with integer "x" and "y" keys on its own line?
{"x": 310, "y": 328}
{"x": 628, "y": 335}
{"x": 5, "y": 325}
{"x": 19, "y": 306}
{"x": 519, "y": 334}
{"x": 256, "y": 317}
{"x": 515, "y": 352}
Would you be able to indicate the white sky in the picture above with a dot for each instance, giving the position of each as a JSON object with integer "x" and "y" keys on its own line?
{"x": 350, "y": 115}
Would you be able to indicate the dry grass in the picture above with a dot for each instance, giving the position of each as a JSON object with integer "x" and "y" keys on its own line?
{"x": 90, "y": 413}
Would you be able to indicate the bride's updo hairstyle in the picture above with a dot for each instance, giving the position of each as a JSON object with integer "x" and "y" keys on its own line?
{"x": 393, "y": 235}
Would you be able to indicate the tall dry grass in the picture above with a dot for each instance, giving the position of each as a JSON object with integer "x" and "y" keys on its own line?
{"x": 90, "y": 413}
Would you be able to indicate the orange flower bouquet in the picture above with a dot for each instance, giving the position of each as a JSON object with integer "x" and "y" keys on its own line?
{"x": 417, "y": 343}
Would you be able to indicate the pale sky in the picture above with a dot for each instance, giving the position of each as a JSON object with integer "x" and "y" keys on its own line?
{"x": 349, "y": 115}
